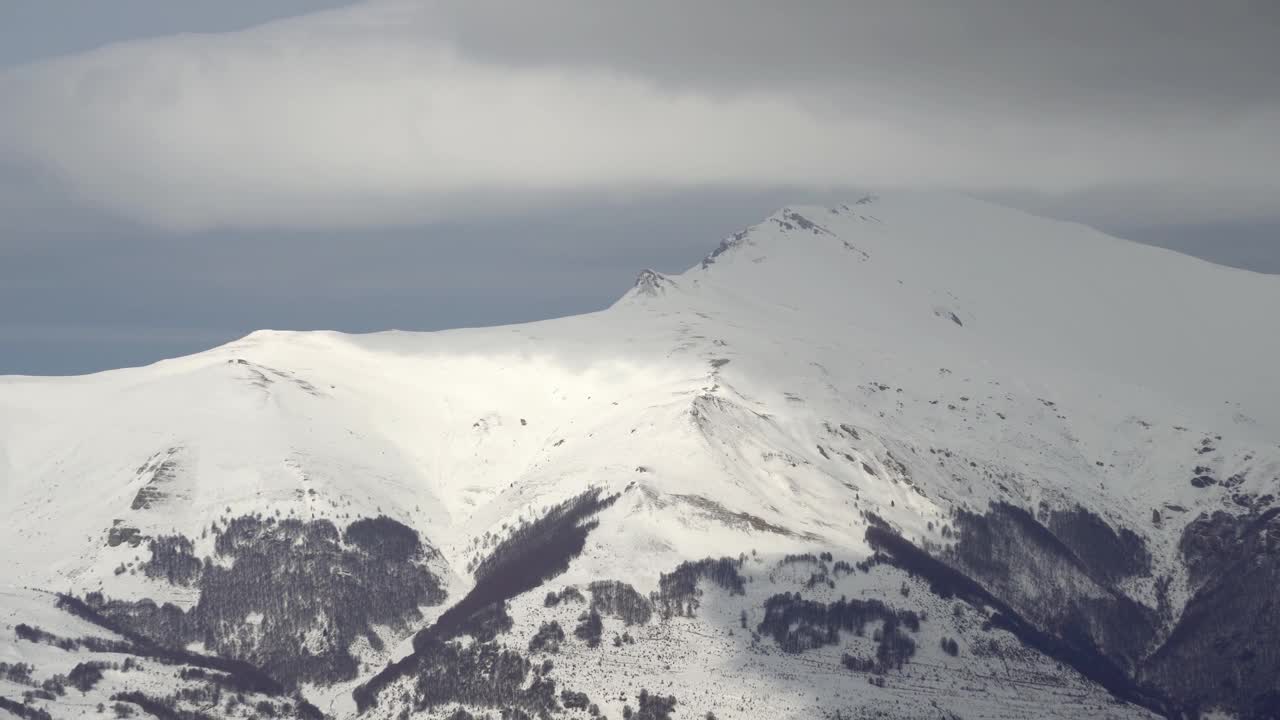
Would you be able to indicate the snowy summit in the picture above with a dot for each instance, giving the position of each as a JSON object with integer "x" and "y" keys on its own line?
{"x": 911, "y": 456}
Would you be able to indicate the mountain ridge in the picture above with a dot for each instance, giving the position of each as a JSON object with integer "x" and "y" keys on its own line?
{"x": 822, "y": 374}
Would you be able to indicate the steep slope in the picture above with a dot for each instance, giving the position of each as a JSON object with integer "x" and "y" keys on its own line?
{"x": 956, "y": 459}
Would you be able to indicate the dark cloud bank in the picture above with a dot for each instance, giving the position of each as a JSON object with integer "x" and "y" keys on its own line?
{"x": 434, "y": 164}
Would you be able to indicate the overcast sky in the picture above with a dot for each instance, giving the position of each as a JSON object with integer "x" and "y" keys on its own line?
{"x": 174, "y": 175}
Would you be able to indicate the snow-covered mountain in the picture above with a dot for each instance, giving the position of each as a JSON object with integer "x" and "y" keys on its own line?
{"x": 912, "y": 456}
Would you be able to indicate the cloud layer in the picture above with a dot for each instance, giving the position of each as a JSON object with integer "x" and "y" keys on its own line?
{"x": 401, "y": 112}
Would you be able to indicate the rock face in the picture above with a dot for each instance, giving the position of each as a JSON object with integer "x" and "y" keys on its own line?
{"x": 652, "y": 284}
{"x": 911, "y": 456}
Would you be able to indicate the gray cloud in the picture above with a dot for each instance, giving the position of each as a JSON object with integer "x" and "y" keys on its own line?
{"x": 94, "y": 294}
{"x": 1037, "y": 52}
{"x": 405, "y": 112}
{"x": 441, "y": 163}
{"x": 35, "y": 30}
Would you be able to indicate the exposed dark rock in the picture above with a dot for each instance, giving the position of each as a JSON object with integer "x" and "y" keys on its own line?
{"x": 147, "y": 496}
{"x": 652, "y": 283}
{"x": 725, "y": 245}
{"x": 734, "y": 519}
{"x": 163, "y": 473}
{"x": 1234, "y": 481}
{"x": 792, "y": 220}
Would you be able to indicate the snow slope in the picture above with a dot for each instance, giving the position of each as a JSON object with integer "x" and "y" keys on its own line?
{"x": 899, "y": 357}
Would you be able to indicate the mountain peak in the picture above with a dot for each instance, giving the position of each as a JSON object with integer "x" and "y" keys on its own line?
{"x": 796, "y": 221}
{"x": 649, "y": 284}
{"x": 652, "y": 283}
{"x": 725, "y": 245}
{"x": 942, "y": 409}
